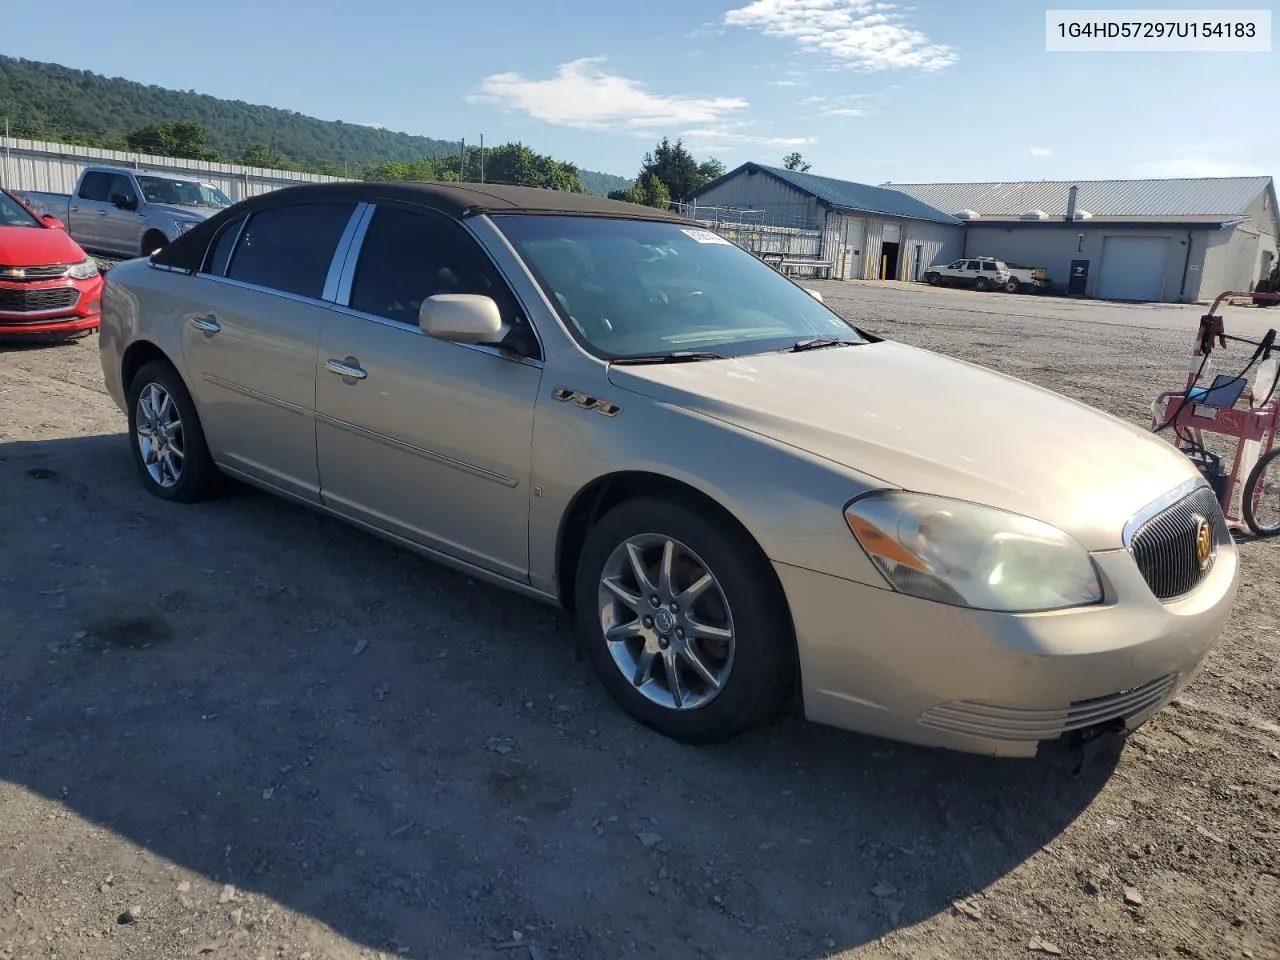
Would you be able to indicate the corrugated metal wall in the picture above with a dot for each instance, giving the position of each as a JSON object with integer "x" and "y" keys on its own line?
{"x": 872, "y": 248}
{"x": 939, "y": 243}
{"x": 54, "y": 167}
{"x": 783, "y": 205}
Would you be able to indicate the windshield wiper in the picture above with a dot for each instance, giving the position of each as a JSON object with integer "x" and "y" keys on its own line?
{"x": 675, "y": 356}
{"x": 816, "y": 343}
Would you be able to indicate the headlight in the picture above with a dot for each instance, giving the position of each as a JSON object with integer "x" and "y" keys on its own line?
{"x": 83, "y": 271}
{"x": 182, "y": 226}
{"x": 973, "y": 556}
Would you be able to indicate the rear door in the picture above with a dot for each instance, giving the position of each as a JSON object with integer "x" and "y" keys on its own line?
{"x": 87, "y": 213}
{"x": 250, "y": 340}
{"x": 430, "y": 440}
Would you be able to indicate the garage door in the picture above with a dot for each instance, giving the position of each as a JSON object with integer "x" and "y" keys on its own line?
{"x": 1133, "y": 268}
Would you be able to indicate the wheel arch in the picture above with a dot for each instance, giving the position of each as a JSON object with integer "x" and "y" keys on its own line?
{"x": 137, "y": 355}
{"x": 605, "y": 492}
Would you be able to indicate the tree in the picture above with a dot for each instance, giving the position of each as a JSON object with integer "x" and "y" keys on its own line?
{"x": 675, "y": 167}
{"x": 710, "y": 169}
{"x": 180, "y": 139}
{"x": 650, "y": 191}
{"x": 793, "y": 161}
{"x": 516, "y": 164}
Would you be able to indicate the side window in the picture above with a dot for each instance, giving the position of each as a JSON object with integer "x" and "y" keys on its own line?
{"x": 989, "y": 266}
{"x": 219, "y": 254}
{"x": 290, "y": 248}
{"x": 121, "y": 187}
{"x": 407, "y": 257}
{"x": 94, "y": 186}
{"x": 974, "y": 265}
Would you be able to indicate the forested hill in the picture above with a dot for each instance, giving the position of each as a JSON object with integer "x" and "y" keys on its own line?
{"x": 47, "y": 101}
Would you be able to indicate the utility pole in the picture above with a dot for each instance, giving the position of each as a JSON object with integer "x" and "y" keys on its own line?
{"x": 462, "y": 163}
{"x": 482, "y": 158}
{"x": 4, "y": 179}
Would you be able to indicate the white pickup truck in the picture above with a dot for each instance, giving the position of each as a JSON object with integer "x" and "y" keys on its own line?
{"x": 987, "y": 273}
{"x": 119, "y": 212}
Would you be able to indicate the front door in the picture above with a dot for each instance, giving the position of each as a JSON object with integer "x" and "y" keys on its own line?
{"x": 121, "y": 226}
{"x": 250, "y": 344}
{"x": 426, "y": 439}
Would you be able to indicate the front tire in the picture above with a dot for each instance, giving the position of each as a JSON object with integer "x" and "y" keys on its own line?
{"x": 683, "y": 621}
{"x": 981, "y": 284}
{"x": 167, "y": 440}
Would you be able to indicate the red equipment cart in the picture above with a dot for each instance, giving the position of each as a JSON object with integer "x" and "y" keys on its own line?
{"x": 1229, "y": 408}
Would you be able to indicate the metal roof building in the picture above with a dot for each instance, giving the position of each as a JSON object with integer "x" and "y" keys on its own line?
{"x": 1144, "y": 240}
{"x": 855, "y": 230}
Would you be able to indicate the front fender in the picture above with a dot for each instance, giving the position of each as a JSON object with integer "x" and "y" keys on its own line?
{"x": 790, "y": 501}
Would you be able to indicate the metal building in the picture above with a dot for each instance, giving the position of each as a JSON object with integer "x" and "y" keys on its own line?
{"x": 1134, "y": 240}
{"x": 862, "y": 232}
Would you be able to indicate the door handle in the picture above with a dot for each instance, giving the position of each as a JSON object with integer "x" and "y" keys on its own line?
{"x": 344, "y": 369}
{"x": 208, "y": 324}
{"x": 102, "y": 213}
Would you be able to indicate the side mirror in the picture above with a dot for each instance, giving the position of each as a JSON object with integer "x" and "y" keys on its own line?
{"x": 815, "y": 294}
{"x": 122, "y": 202}
{"x": 53, "y": 222}
{"x": 461, "y": 318}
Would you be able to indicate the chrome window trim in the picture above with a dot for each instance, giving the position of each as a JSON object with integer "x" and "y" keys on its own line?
{"x": 406, "y": 328}
{"x": 213, "y": 242}
{"x": 337, "y": 286}
{"x": 300, "y": 298}
{"x": 1157, "y": 506}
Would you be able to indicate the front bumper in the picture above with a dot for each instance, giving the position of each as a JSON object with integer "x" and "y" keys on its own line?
{"x": 879, "y": 662}
{"x": 83, "y": 312}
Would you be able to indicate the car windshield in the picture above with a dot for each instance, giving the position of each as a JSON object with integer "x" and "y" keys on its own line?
{"x": 187, "y": 193}
{"x": 14, "y": 214}
{"x": 640, "y": 288}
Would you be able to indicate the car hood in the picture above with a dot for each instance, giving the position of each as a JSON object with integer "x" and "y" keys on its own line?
{"x": 913, "y": 419}
{"x": 37, "y": 247}
{"x": 181, "y": 212}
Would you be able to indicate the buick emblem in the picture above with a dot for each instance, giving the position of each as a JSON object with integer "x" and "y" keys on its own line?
{"x": 1204, "y": 544}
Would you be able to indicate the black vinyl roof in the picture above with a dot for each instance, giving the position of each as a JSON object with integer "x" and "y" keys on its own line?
{"x": 455, "y": 200}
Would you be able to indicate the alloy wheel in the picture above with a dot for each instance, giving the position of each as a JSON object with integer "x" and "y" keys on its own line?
{"x": 666, "y": 622}
{"x": 159, "y": 434}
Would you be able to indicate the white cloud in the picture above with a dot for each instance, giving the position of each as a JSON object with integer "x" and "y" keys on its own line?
{"x": 1040, "y": 151}
{"x": 376, "y": 126}
{"x": 583, "y": 95}
{"x": 865, "y": 35}
{"x": 725, "y": 139}
{"x": 784, "y": 83}
{"x": 842, "y": 112}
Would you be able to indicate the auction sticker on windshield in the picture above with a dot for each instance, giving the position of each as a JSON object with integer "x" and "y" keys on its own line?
{"x": 704, "y": 236}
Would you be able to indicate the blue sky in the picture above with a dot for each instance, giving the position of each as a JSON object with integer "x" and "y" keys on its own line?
{"x": 929, "y": 90}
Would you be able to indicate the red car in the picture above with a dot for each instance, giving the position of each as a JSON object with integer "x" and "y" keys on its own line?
{"x": 49, "y": 287}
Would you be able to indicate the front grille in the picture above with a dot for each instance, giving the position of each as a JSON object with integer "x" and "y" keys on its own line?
{"x": 19, "y": 274}
{"x": 1164, "y": 546}
{"x": 39, "y": 300}
{"x": 1021, "y": 723}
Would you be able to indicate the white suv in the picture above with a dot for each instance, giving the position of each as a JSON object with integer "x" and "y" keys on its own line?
{"x": 981, "y": 273}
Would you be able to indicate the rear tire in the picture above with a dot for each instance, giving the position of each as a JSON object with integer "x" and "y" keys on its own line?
{"x": 931, "y": 279}
{"x": 1012, "y": 286}
{"x": 153, "y": 242}
{"x": 982, "y": 284}
{"x": 729, "y": 644}
{"x": 1256, "y": 476}
{"x": 166, "y": 438}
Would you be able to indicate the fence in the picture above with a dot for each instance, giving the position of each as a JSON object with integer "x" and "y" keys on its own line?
{"x": 54, "y": 167}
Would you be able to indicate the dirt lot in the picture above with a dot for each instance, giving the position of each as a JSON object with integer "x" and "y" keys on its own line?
{"x": 243, "y": 730}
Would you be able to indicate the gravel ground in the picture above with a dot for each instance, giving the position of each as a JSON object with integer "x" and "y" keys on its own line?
{"x": 244, "y": 730}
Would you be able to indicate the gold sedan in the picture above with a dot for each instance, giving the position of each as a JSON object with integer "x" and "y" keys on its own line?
{"x": 740, "y": 495}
